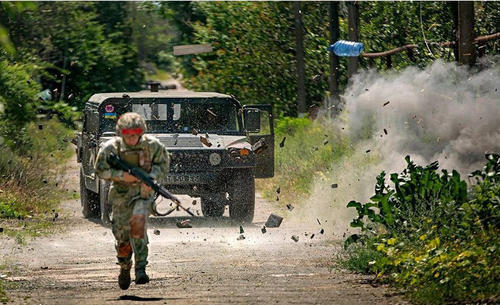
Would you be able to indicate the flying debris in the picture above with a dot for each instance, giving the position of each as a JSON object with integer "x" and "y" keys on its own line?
{"x": 334, "y": 185}
{"x": 282, "y": 143}
{"x": 205, "y": 141}
{"x": 273, "y": 221}
{"x": 263, "y": 229}
{"x": 184, "y": 224}
{"x": 241, "y": 237}
{"x": 259, "y": 146}
{"x": 241, "y": 230}
{"x": 289, "y": 207}
{"x": 156, "y": 232}
{"x": 386, "y": 103}
{"x": 295, "y": 238}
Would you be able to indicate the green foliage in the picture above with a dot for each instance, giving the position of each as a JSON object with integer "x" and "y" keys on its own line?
{"x": 436, "y": 240}
{"x": 73, "y": 48}
{"x": 17, "y": 94}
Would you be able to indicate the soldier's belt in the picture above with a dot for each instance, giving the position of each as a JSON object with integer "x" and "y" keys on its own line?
{"x": 127, "y": 184}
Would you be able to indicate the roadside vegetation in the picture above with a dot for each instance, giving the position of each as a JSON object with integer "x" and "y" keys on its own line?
{"x": 30, "y": 184}
{"x": 303, "y": 148}
{"x": 431, "y": 234}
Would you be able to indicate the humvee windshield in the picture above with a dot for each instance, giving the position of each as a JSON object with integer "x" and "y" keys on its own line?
{"x": 177, "y": 115}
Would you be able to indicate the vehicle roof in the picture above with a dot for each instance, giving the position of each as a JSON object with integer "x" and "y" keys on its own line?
{"x": 101, "y": 97}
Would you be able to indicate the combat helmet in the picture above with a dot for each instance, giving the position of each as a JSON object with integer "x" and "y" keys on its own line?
{"x": 130, "y": 123}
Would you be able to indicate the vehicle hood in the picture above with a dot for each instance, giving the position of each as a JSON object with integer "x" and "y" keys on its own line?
{"x": 189, "y": 141}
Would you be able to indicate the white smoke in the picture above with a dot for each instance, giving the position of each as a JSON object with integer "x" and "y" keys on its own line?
{"x": 443, "y": 112}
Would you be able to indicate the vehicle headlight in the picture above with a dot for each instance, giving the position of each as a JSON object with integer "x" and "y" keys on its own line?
{"x": 214, "y": 159}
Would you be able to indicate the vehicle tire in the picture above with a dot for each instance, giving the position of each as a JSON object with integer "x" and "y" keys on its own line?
{"x": 89, "y": 199}
{"x": 212, "y": 206}
{"x": 106, "y": 209}
{"x": 242, "y": 196}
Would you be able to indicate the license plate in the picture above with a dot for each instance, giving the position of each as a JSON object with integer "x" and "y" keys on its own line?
{"x": 182, "y": 179}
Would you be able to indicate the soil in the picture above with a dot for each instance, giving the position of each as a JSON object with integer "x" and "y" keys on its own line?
{"x": 206, "y": 264}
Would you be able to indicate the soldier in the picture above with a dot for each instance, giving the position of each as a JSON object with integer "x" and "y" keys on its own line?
{"x": 131, "y": 200}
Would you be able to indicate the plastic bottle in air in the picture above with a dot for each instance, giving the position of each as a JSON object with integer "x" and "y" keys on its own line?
{"x": 346, "y": 48}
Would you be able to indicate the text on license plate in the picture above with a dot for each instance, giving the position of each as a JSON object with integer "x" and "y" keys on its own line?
{"x": 180, "y": 178}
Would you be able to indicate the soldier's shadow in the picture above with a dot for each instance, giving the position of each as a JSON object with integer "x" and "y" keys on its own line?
{"x": 138, "y": 299}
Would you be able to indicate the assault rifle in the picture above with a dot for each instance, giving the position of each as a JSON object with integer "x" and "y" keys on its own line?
{"x": 116, "y": 162}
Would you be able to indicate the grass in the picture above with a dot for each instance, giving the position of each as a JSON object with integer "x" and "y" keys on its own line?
{"x": 310, "y": 148}
{"x": 29, "y": 185}
{"x": 3, "y": 284}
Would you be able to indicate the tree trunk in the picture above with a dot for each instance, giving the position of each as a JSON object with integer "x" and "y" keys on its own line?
{"x": 333, "y": 80}
{"x": 299, "y": 44}
{"x": 454, "y": 12}
{"x": 466, "y": 53}
{"x": 353, "y": 23}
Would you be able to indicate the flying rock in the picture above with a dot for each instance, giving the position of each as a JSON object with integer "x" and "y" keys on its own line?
{"x": 183, "y": 224}
{"x": 282, "y": 143}
{"x": 273, "y": 221}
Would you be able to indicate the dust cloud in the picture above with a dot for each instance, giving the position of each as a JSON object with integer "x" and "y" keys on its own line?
{"x": 444, "y": 112}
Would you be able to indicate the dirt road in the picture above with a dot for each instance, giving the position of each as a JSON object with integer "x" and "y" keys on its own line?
{"x": 202, "y": 265}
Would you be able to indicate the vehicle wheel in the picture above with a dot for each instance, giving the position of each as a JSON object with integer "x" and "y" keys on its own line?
{"x": 212, "y": 206}
{"x": 89, "y": 200}
{"x": 242, "y": 196}
{"x": 106, "y": 209}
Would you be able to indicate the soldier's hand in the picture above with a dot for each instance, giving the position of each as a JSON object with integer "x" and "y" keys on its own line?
{"x": 146, "y": 188}
{"x": 129, "y": 178}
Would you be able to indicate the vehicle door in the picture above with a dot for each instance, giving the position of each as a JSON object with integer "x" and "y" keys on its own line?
{"x": 265, "y": 159}
{"x": 89, "y": 141}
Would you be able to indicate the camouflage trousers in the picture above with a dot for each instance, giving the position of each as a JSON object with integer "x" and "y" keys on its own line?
{"x": 129, "y": 224}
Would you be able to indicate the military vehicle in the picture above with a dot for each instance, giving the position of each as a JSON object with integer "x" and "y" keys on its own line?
{"x": 217, "y": 147}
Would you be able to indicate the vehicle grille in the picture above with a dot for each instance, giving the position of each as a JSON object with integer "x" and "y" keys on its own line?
{"x": 190, "y": 161}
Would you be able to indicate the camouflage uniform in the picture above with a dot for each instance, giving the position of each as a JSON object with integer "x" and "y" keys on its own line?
{"x": 131, "y": 203}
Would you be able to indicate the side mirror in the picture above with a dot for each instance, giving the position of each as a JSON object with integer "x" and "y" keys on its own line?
{"x": 252, "y": 119}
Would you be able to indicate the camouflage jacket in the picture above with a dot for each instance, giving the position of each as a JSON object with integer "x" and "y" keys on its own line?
{"x": 159, "y": 157}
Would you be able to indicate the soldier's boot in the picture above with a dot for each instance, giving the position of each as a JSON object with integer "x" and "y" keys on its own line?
{"x": 140, "y": 276}
{"x": 124, "y": 277}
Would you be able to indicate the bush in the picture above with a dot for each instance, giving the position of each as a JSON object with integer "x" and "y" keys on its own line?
{"x": 436, "y": 239}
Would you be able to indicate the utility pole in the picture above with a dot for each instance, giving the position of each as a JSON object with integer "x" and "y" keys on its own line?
{"x": 333, "y": 80}
{"x": 465, "y": 33}
{"x": 299, "y": 45}
{"x": 353, "y": 24}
